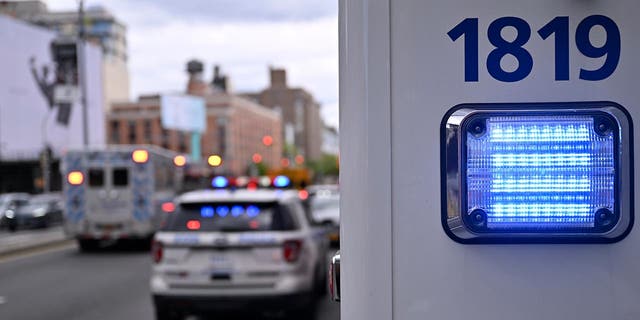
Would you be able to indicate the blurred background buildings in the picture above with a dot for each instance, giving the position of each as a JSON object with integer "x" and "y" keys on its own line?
{"x": 276, "y": 127}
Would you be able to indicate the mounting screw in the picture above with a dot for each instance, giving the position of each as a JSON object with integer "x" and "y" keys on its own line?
{"x": 477, "y": 127}
{"x": 604, "y": 218}
{"x": 602, "y": 125}
{"x": 478, "y": 218}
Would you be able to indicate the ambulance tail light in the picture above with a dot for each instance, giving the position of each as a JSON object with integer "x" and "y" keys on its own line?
{"x": 75, "y": 178}
{"x": 168, "y": 207}
{"x": 156, "y": 251}
{"x": 537, "y": 173}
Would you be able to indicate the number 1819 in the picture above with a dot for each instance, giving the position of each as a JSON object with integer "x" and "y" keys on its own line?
{"x": 559, "y": 27}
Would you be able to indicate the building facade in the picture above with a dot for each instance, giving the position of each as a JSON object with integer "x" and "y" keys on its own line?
{"x": 302, "y": 124}
{"x": 29, "y": 124}
{"x": 100, "y": 27}
{"x": 235, "y": 126}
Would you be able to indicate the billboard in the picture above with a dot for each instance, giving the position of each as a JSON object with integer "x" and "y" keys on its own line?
{"x": 27, "y": 122}
{"x": 183, "y": 112}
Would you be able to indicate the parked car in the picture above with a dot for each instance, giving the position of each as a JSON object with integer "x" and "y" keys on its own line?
{"x": 11, "y": 201}
{"x": 40, "y": 211}
{"x": 325, "y": 209}
{"x": 238, "y": 250}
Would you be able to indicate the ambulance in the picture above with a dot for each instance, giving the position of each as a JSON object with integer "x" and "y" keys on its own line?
{"x": 487, "y": 160}
{"x": 117, "y": 193}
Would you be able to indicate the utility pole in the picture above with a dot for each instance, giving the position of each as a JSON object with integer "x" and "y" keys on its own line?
{"x": 82, "y": 74}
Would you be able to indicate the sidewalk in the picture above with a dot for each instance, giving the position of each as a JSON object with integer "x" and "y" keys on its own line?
{"x": 28, "y": 239}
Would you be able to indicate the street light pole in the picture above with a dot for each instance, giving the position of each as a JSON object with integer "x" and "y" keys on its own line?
{"x": 82, "y": 74}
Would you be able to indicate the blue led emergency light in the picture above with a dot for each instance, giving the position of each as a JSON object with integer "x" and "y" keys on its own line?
{"x": 237, "y": 211}
{"x": 253, "y": 211}
{"x": 530, "y": 175}
{"x": 207, "y": 212}
{"x": 220, "y": 182}
{"x": 281, "y": 181}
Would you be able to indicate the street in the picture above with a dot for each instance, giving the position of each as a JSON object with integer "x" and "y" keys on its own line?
{"x": 65, "y": 284}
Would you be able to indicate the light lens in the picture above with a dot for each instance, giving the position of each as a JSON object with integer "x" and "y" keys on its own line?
{"x": 220, "y": 182}
{"x": 179, "y": 160}
{"x": 75, "y": 178}
{"x": 532, "y": 173}
{"x": 207, "y": 212}
{"x": 168, "y": 207}
{"x": 140, "y": 156}
{"x": 281, "y": 181}
{"x": 214, "y": 160}
{"x": 193, "y": 225}
{"x": 253, "y": 211}
{"x": 222, "y": 211}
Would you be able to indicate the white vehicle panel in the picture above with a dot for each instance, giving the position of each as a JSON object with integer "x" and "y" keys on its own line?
{"x": 404, "y": 74}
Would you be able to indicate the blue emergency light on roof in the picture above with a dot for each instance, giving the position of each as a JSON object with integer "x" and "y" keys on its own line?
{"x": 281, "y": 181}
{"x": 537, "y": 174}
{"x": 220, "y": 182}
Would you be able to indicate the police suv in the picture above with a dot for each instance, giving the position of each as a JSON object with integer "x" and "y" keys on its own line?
{"x": 228, "y": 249}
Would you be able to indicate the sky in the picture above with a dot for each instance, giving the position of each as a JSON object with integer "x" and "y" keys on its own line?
{"x": 245, "y": 37}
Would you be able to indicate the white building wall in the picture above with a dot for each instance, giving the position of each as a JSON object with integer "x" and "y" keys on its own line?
{"x": 25, "y": 120}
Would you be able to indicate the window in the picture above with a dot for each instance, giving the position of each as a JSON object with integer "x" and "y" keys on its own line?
{"x": 164, "y": 140}
{"x": 147, "y": 131}
{"x": 120, "y": 177}
{"x": 96, "y": 177}
{"x": 115, "y": 131}
{"x": 182, "y": 140}
{"x": 132, "y": 131}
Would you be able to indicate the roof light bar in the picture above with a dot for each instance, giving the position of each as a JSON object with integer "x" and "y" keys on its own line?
{"x": 219, "y": 182}
{"x": 281, "y": 181}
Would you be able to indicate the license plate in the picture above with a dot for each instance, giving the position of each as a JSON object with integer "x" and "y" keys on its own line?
{"x": 220, "y": 262}
{"x": 108, "y": 227}
{"x": 220, "y": 276}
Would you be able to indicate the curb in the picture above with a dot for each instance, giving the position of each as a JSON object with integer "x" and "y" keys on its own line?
{"x": 34, "y": 247}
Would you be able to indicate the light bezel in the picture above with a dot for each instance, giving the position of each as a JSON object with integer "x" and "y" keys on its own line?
{"x": 453, "y": 174}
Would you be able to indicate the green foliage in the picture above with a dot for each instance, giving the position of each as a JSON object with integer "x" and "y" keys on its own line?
{"x": 327, "y": 165}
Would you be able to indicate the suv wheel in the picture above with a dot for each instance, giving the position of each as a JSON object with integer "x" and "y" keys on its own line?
{"x": 163, "y": 313}
{"x": 307, "y": 313}
{"x": 321, "y": 282}
{"x": 87, "y": 245}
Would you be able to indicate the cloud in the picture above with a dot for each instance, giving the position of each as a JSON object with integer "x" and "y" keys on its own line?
{"x": 245, "y": 11}
{"x": 244, "y": 37}
{"x": 308, "y": 50}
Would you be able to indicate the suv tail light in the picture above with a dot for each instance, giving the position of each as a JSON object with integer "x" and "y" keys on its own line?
{"x": 291, "y": 250}
{"x": 156, "y": 251}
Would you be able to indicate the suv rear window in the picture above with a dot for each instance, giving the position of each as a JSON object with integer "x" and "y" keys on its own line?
{"x": 231, "y": 217}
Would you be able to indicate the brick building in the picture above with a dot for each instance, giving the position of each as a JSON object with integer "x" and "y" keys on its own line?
{"x": 302, "y": 124}
{"x": 235, "y": 125}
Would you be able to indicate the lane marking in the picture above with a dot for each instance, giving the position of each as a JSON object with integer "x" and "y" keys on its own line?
{"x": 27, "y": 253}
{"x": 3, "y": 300}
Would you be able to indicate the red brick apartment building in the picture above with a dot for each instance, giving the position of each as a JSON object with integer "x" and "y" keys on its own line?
{"x": 235, "y": 125}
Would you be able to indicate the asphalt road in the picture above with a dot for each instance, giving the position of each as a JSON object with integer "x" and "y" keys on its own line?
{"x": 66, "y": 284}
